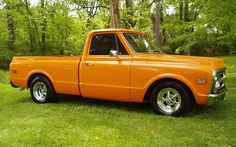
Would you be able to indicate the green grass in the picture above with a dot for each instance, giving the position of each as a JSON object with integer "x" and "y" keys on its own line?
{"x": 86, "y": 122}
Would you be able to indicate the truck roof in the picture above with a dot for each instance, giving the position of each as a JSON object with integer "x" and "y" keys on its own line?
{"x": 113, "y": 30}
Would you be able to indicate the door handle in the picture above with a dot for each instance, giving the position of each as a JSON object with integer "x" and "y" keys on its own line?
{"x": 88, "y": 63}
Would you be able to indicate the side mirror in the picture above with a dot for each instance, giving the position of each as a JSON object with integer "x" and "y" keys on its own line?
{"x": 113, "y": 53}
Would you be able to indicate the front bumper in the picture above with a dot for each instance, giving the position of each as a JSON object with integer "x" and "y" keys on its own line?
{"x": 212, "y": 98}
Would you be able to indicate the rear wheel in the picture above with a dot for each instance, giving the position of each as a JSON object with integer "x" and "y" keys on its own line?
{"x": 170, "y": 98}
{"x": 41, "y": 90}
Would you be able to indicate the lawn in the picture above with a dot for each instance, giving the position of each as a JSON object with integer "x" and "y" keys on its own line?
{"x": 86, "y": 122}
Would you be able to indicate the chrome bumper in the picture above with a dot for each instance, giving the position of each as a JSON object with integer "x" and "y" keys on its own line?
{"x": 212, "y": 98}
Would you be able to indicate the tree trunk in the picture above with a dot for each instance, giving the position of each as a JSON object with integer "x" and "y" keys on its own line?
{"x": 128, "y": 3}
{"x": 186, "y": 19}
{"x": 35, "y": 31}
{"x": 181, "y": 10}
{"x": 30, "y": 35}
{"x": 11, "y": 28}
{"x": 43, "y": 35}
{"x": 114, "y": 13}
{"x": 30, "y": 30}
{"x": 157, "y": 22}
{"x": 186, "y": 12}
{"x": 44, "y": 25}
{"x": 161, "y": 14}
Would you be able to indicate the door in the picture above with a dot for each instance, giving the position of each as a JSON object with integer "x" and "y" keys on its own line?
{"x": 106, "y": 77}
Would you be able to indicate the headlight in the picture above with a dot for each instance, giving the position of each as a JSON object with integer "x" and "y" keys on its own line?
{"x": 215, "y": 78}
{"x": 218, "y": 81}
{"x": 217, "y": 84}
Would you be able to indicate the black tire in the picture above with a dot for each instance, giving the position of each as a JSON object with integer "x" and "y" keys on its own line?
{"x": 37, "y": 90}
{"x": 170, "y": 98}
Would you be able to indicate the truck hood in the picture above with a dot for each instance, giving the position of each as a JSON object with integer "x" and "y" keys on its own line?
{"x": 206, "y": 62}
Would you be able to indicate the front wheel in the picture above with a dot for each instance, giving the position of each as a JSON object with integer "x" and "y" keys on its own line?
{"x": 170, "y": 98}
{"x": 41, "y": 90}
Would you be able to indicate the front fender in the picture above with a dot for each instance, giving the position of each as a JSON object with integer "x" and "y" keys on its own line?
{"x": 175, "y": 77}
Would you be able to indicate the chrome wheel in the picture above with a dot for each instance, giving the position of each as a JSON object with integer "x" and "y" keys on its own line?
{"x": 169, "y": 100}
{"x": 40, "y": 91}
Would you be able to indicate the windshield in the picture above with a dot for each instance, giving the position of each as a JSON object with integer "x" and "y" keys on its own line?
{"x": 141, "y": 43}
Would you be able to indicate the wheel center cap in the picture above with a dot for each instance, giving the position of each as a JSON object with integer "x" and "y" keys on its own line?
{"x": 169, "y": 101}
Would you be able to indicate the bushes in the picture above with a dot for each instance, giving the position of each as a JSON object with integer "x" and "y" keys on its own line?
{"x": 4, "y": 77}
{"x": 4, "y": 64}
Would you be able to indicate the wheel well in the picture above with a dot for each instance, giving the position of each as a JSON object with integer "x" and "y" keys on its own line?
{"x": 148, "y": 92}
{"x": 34, "y": 76}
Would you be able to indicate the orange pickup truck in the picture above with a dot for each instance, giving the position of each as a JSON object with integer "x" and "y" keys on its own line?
{"x": 124, "y": 65}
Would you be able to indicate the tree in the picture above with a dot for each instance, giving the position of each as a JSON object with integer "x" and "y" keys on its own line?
{"x": 44, "y": 24}
{"x": 114, "y": 13}
{"x": 32, "y": 26}
{"x": 186, "y": 11}
{"x": 129, "y": 22}
{"x": 10, "y": 25}
{"x": 157, "y": 17}
{"x": 181, "y": 10}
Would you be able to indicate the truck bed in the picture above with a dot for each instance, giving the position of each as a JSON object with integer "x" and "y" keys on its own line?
{"x": 63, "y": 71}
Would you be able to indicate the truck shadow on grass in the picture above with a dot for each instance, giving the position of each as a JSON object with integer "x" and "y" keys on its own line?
{"x": 216, "y": 111}
{"x": 105, "y": 104}
{"x": 78, "y": 104}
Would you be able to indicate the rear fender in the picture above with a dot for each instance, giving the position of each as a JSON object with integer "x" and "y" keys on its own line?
{"x": 39, "y": 72}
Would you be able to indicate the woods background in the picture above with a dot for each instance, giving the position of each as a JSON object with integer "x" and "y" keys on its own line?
{"x": 59, "y": 27}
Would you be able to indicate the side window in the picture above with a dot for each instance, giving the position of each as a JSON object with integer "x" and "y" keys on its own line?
{"x": 121, "y": 48}
{"x": 101, "y": 44}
